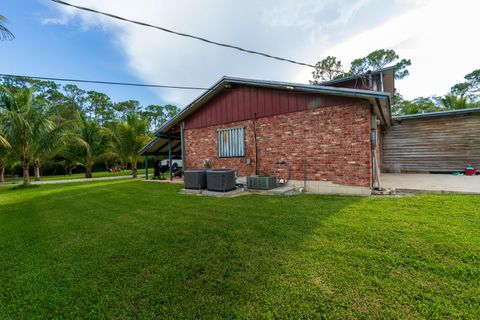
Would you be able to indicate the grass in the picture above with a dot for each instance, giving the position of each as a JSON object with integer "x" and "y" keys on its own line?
{"x": 130, "y": 249}
{"x": 99, "y": 174}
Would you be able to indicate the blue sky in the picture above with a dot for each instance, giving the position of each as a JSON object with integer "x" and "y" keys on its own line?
{"x": 56, "y": 41}
{"x": 65, "y": 51}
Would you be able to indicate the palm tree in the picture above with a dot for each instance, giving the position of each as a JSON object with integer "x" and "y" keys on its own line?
{"x": 6, "y": 159}
{"x": 88, "y": 145}
{"x": 5, "y": 34}
{"x": 3, "y": 141}
{"x": 128, "y": 137}
{"x": 4, "y": 152}
{"x": 454, "y": 102}
{"x": 28, "y": 129}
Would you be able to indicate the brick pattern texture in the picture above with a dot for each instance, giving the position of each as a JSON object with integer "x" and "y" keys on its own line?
{"x": 328, "y": 143}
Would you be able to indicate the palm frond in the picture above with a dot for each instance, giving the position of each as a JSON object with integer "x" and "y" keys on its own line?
{"x": 5, "y": 34}
{"x": 4, "y": 142}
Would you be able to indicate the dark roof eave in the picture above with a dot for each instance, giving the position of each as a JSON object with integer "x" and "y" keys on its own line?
{"x": 151, "y": 149}
{"x": 148, "y": 145}
{"x": 436, "y": 114}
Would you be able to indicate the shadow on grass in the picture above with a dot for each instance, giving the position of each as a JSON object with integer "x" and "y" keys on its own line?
{"x": 116, "y": 249}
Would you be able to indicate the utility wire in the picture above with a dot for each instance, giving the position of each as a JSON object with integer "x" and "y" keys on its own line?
{"x": 184, "y": 34}
{"x": 106, "y": 82}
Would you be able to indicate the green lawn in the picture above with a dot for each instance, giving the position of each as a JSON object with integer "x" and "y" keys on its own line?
{"x": 132, "y": 249}
{"x": 100, "y": 174}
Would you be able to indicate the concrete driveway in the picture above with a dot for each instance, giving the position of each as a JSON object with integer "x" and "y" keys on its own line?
{"x": 436, "y": 183}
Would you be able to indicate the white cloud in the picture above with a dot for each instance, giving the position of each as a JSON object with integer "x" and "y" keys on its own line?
{"x": 63, "y": 20}
{"x": 158, "y": 57}
{"x": 346, "y": 10}
{"x": 437, "y": 37}
{"x": 303, "y": 30}
{"x": 300, "y": 13}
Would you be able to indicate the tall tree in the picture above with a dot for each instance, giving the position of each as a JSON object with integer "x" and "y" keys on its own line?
{"x": 16, "y": 83}
{"x": 379, "y": 59}
{"x": 454, "y": 102}
{"x": 327, "y": 69}
{"x": 469, "y": 89}
{"x": 156, "y": 115}
{"x": 473, "y": 80}
{"x": 100, "y": 107}
{"x": 460, "y": 89}
{"x": 5, "y": 34}
{"x": 418, "y": 105}
{"x": 171, "y": 111}
{"x": 125, "y": 108}
{"x": 28, "y": 129}
{"x": 128, "y": 137}
{"x": 75, "y": 99}
{"x": 88, "y": 145}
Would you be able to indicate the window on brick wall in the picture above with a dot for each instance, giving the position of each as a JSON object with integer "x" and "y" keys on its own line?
{"x": 231, "y": 142}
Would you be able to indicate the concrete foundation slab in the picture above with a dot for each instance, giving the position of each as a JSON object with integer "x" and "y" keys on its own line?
{"x": 283, "y": 190}
{"x": 321, "y": 187}
{"x": 431, "y": 183}
{"x": 232, "y": 193}
{"x": 327, "y": 187}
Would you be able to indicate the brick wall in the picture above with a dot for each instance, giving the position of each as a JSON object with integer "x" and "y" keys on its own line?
{"x": 334, "y": 142}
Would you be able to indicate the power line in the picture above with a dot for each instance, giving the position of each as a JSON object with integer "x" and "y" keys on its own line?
{"x": 106, "y": 82}
{"x": 184, "y": 34}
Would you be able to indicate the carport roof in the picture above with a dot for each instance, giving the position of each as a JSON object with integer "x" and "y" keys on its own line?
{"x": 159, "y": 146}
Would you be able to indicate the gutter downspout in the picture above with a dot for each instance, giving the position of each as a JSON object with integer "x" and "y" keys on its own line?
{"x": 374, "y": 143}
{"x": 182, "y": 144}
{"x": 381, "y": 82}
{"x": 373, "y": 136}
{"x": 170, "y": 157}
{"x": 255, "y": 141}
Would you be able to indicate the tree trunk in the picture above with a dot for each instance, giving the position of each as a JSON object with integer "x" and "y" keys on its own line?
{"x": 2, "y": 174}
{"x": 26, "y": 173}
{"x": 88, "y": 172}
{"x": 134, "y": 168}
{"x": 36, "y": 166}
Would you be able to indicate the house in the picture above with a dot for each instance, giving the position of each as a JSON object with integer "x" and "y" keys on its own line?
{"x": 325, "y": 136}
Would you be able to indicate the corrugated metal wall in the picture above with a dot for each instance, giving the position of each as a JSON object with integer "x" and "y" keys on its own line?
{"x": 242, "y": 102}
{"x": 231, "y": 142}
{"x": 440, "y": 144}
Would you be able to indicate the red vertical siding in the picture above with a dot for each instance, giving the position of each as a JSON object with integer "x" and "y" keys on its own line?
{"x": 276, "y": 102}
{"x": 292, "y": 102}
{"x": 242, "y": 102}
{"x": 235, "y": 105}
{"x": 269, "y": 102}
{"x": 283, "y": 102}
{"x": 254, "y": 100}
{"x": 223, "y": 106}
